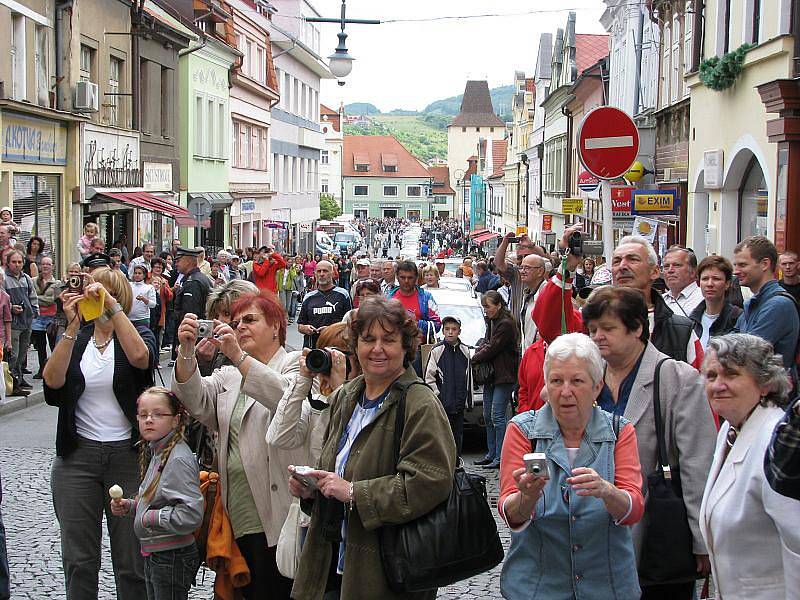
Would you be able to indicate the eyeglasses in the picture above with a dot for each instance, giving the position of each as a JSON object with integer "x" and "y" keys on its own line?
{"x": 529, "y": 268}
{"x": 247, "y": 320}
{"x": 154, "y": 416}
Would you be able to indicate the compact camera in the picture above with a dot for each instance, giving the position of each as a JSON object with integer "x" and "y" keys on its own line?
{"x": 302, "y": 475}
{"x": 75, "y": 283}
{"x": 536, "y": 464}
{"x": 205, "y": 328}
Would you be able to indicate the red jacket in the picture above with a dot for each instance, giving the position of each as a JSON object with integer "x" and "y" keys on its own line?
{"x": 264, "y": 273}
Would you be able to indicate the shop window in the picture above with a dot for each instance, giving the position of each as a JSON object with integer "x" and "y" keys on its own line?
{"x": 753, "y": 201}
{"x": 36, "y": 210}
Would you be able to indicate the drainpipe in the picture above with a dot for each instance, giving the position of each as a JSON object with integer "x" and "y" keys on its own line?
{"x": 568, "y": 162}
{"x": 136, "y": 76}
{"x": 62, "y": 87}
{"x": 638, "y": 49}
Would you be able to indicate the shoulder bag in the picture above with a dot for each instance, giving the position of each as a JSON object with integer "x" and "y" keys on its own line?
{"x": 456, "y": 540}
{"x": 667, "y": 555}
{"x": 483, "y": 372}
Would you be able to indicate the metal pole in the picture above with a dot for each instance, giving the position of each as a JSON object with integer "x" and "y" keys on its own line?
{"x": 608, "y": 220}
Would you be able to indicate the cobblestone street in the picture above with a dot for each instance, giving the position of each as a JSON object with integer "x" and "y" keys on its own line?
{"x": 26, "y": 454}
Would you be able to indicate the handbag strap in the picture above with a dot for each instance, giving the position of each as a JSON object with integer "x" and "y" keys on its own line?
{"x": 400, "y": 416}
{"x": 660, "y": 437}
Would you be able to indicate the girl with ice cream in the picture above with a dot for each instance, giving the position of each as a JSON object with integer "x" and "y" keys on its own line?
{"x": 169, "y": 505}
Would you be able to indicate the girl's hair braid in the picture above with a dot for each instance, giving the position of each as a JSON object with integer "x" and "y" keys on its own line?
{"x": 177, "y": 436}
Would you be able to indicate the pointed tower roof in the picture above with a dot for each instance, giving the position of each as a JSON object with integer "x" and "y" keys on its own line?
{"x": 476, "y": 107}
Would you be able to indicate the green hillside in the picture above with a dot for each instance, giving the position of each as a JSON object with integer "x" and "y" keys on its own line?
{"x": 420, "y": 138}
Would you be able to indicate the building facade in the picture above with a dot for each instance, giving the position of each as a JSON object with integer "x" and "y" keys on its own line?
{"x": 253, "y": 94}
{"x": 296, "y": 135}
{"x": 535, "y": 149}
{"x": 740, "y": 170}
{"x": 330, "y": 160}
{"x": 514, "y": 211}
{"x": 381, "y": 179}
{"x": 443, "y": 196}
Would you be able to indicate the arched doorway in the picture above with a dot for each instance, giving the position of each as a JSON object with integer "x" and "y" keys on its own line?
{"x": 753, "y": 201}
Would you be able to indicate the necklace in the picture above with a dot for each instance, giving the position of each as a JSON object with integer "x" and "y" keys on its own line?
{"x": 103, "y": 345}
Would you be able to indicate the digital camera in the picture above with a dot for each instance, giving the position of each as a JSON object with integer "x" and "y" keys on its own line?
{"x": 536, "y": 464}
{"x": 205, "y": 328}
{"x": 75, "y": 283}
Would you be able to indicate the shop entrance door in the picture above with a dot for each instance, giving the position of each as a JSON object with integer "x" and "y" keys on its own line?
{"x": 389, "y": 213}
{"x": 36, "y": 210}
{"x": 360, "y": 214}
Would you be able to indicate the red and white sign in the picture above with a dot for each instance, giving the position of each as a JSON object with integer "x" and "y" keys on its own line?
{"x": 547, "y": 222}
{"x": 587, "y": 182}
{"x": 621, "y": 199}
{"x": 608, "y": 142}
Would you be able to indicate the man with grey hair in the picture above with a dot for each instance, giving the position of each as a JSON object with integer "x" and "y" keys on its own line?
{"x": 532, "y": 273}
{"x": 389, "y": 272}
{"x": 148, "y": 251}
{"x": 635, "y": 264}
{"x": 680, "y": 273}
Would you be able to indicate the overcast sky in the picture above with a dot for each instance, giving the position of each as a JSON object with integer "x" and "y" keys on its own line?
{"x": 409, "y": 65}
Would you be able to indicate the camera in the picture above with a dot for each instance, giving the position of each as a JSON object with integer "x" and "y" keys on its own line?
{"x": 205, "y": 328}
{"x": 75, "y": 283}
{"x": 320, "y": 360}
{"x": 581, "y": 247}
{"x": 302, "y": 475}
{"x": 536, "y": 464}
{"x": 513, "y": 240}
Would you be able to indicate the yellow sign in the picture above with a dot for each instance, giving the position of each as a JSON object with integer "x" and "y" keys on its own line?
{"x": 572, "y": 206}
{"x": 655, "y": 202}
{"x": 635, "y": 173}
{"x": 522, "y": 230}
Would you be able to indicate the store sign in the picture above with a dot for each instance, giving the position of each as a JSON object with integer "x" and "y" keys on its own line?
{"x": 621, "y": 200}
{"x": 587, "y": 182}
{"x": 713, "y": 162}
{"x": 30, "y": 140}
{"x": 655, "y": 202}
{"x": 157, "y": 177}
{"x": 547, "y": 222}
{"x": 110, "y": 158}
{"x": 248, "y": 206}
{"x": 274, "y": 225}
{"x": 646, "y": 228}
{"x": 306, "y": 227}
{"x": 572, "y": 206}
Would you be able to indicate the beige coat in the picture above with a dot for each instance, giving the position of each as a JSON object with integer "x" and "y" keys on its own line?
{"x": 211, "y": 401}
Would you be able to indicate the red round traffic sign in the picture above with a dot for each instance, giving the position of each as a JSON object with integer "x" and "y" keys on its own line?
{"x": 608, "y": 142}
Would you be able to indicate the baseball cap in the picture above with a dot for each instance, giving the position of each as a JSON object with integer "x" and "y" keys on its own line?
{"x": 363, "y": 262}
{"x": 452, "y": 319}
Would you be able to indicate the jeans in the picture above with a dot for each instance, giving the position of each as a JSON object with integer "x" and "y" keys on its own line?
{"x": 5, "y": 576}
{"x": 79, "y": 485}
{"x": 293, "y": 302}
{"x": 20, "y": 341}
{"x": 496, "y": 399}
{"x": 169, "y": 574}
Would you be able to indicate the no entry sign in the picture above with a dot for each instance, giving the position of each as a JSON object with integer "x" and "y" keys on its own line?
{"x": 608, "y": 142}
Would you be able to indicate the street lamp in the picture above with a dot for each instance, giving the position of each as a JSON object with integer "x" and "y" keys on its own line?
{"x": 340, "y": 62}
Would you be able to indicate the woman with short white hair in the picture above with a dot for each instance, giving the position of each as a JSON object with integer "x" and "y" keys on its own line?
{"x": 591, "y": 468}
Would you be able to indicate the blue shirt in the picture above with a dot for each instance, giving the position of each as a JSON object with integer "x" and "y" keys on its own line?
{"x": 606, "y": 398}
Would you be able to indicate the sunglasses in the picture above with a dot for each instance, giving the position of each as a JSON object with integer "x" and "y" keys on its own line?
{"x": 247, "y": 320}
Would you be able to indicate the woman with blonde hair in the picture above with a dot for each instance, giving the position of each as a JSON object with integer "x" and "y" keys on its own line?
{"x": 430, "y": 276}
{"x": 94, "y": 376}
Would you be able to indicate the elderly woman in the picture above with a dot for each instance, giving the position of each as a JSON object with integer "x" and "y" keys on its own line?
{"x": 500, "y": 348}
{"x": 238, "y": 402}
{"x": 592, "y": 470}
{"x": 361, "y": 483}
{"x": 751, "y": 531}
{"x": 94, "y": 377}
{"x": 616, "y": 318}
{"x": 431, "y": 277}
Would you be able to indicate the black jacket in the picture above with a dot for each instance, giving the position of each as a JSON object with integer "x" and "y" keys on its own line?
{"x": 671, "y": 333}
{"x": 193, "y": 295}
{"x": 129, "y": 382}
{"x": 501, "y": 348}
{"x": 724, "y": 323}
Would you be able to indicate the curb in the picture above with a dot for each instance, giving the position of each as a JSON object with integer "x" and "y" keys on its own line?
{"x": 17, "y": 403}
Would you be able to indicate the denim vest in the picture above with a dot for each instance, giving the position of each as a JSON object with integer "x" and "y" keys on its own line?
{"x": 571, "y": 549}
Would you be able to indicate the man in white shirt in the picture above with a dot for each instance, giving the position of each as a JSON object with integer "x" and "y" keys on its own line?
{"x": 148, "y": 251}
{"x": 680, "y": 273}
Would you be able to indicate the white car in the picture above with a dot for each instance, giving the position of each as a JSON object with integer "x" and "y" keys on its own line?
{"x": 459, "y": 284}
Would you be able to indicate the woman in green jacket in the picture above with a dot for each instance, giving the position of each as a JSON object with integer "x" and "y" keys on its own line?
{"x": 362, "y": 484}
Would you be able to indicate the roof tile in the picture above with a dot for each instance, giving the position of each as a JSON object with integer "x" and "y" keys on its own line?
{"x": 369, "y": 148}
{"x": 589, "y": 48}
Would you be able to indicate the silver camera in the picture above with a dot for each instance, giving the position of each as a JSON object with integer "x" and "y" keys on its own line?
{"x": 536, "y": 464}
{"x": 302, "y": 474}
{"x": 205, "y": 328}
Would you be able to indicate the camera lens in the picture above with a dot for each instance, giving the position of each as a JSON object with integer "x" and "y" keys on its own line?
{"x": 319, "y": 361}
{"x": 535, "y": 469}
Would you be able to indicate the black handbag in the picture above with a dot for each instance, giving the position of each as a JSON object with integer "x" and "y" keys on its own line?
{"x": 456, "y": 540}
{"x": 667, "y": 555}
{"x": 482, "y": 373}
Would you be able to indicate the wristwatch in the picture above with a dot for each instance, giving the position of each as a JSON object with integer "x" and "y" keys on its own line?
{"x": 106, "y": 316}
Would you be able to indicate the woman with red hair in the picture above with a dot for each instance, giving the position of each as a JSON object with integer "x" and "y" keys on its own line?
{"x": 238, "y": 401}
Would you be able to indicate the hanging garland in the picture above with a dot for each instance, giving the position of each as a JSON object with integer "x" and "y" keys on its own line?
{"x": 720, "y": 73}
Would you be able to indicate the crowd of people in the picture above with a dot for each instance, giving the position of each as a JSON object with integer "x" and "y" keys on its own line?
{"x": 605, "y": 387}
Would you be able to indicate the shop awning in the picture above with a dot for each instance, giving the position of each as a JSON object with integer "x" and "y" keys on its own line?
{"x": 477, "y": 232}
{"x": 485, "y": 237}
{"x": 218, "y": 200}
{"x": 146, "y": 201}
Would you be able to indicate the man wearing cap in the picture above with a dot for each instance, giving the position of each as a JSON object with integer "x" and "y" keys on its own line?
{"x": 440, "y": 264}
{"x": 235, "y": 271}
{"x": 95, "y": 260}
{"x": 362, "y": 272}
{"x": 449, "y": 375}
{"x": 192, "y": 293}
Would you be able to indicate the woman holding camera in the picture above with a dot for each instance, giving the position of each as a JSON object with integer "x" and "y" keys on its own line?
{"x": 238, "y": 401}
{"x": 570, "y": 521}
{"x": 94, "y": 377}
{"x": 362, "y": 483}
